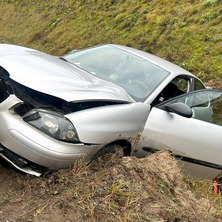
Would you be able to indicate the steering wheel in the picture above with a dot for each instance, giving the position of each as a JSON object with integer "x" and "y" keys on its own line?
{"x": 138, "y": 88}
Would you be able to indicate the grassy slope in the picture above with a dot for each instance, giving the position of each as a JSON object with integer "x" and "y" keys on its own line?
{"x": 184, "y": 32}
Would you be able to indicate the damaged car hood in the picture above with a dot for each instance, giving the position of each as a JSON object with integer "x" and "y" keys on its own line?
{"x": 51, "y": 75}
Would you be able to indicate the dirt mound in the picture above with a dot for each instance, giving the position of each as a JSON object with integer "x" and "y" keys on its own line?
{"x": 122, "y": 189}
{"x": 163, "y": 194}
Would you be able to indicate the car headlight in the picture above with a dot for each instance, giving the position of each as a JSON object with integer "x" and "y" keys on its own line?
{"x": 53, "y": 124}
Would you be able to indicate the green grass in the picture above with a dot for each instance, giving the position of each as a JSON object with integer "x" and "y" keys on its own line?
{"x": 184, "y": 32}
{"x": 202, "y": 188}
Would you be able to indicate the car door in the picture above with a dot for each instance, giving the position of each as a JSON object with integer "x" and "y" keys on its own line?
{"x": 196, "y": 140}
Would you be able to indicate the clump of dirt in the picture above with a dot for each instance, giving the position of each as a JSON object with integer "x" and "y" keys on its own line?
{"x": 121, "y": 189}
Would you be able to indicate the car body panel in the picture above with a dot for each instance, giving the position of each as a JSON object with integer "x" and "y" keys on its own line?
{"x": 51, "y": 75}
{"x": 197, "y": 142}
{"x": 198, "y": 171}
{"x": 165, "y": 130}
{"x": 103, "y": 124}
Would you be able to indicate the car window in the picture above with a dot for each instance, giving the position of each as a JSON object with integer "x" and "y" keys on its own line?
{"x": 198, "y": 84}
{"x": 181, "y": 83}
{"x": 176, "y": 87}
{"x": 200, "y": 105}
{"x": 216, "y": 105}
{"x": 205, "y": 105}
{"x": 136, "y": 75}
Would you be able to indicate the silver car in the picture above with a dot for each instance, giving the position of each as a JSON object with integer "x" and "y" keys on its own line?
{"x": 56, "y": 110}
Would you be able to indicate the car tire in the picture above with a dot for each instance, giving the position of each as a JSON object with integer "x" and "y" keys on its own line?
{"x": 108, "y": 151}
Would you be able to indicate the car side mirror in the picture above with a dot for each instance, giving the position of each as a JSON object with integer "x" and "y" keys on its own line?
{"x": 181, "y": 109}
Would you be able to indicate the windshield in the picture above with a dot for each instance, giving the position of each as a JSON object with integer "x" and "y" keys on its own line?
{"x": 136, "y": 75}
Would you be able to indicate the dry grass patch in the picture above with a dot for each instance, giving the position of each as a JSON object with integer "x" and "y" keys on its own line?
{"x": 118, "y": 189}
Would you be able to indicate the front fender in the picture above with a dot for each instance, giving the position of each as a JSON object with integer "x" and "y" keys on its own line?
{"x": 109, "y": 123}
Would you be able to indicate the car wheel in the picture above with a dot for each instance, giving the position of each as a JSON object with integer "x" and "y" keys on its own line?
{"x": 108, "y": 151}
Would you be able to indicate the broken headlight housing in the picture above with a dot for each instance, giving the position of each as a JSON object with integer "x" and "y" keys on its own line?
{"x": 53, "y": 124}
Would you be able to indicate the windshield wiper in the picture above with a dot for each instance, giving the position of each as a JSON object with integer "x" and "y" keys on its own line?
{"x": 62, "y": 58}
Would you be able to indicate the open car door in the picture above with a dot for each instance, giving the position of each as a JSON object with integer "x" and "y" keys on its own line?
{"x": 197, "y": 140}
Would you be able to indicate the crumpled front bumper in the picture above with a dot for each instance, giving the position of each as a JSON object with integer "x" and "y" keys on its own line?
{"x": 35, "y": 146}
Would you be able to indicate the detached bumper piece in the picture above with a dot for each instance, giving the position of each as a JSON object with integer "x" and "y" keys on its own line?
{"x": 20, "y": 163}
